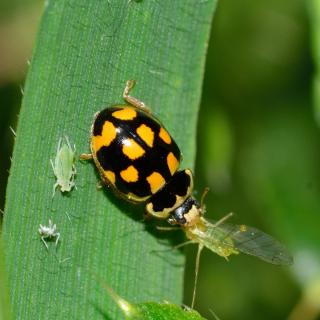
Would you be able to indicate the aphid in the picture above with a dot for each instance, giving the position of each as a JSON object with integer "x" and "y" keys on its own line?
{"x": 139, "y": 159}
{"x": 49, "y": 232}
{"x": 63, "y": 166}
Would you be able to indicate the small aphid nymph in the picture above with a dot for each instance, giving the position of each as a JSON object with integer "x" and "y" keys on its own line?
{"x": 49, "y": 232}
{"x": 63, "y": 166}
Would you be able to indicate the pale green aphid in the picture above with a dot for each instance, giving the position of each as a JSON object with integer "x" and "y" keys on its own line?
{"x": 63, "y": 166}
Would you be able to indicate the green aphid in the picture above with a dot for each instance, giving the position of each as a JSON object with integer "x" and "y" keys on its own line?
{"x": 63, "y": 166}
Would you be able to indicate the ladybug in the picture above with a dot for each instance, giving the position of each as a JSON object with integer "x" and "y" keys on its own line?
{"x": 139, "y": 159}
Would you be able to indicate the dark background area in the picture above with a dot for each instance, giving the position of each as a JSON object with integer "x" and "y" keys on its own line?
{"x": 258, "y": 149}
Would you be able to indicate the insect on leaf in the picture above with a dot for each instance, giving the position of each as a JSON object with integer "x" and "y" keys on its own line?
{"x": 226, "y": 239}
{"x": 63, "y": 166}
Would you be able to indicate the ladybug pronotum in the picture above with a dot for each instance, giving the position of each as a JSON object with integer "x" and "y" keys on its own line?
{"x": 139, "y": 159}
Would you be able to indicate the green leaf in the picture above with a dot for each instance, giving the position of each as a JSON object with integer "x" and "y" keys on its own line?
{"x": 165, "y": 311}
{"x": 5, "y": 311}
{"x": 84, "y": 54}
{"x": 152, "y": 310}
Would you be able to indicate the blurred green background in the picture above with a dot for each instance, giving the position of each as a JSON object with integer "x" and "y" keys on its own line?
{"x": 258, "y": 148}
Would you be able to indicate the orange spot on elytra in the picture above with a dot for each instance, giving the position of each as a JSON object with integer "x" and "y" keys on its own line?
{"x": 164, "y": 135}
{"x": 156, "y": 181}
{"x": 172, "y": 163}
{"x": 125, "y": 114}
{"x": 130, "y": 174}
{"x": 146, "y": 134}
{"x": 132, "y": 149}
{"x": 108, "y": 134}
{"x": 110, "y": 176}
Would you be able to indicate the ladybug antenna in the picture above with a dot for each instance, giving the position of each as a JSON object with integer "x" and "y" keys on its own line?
{"x": 204, "y": 194}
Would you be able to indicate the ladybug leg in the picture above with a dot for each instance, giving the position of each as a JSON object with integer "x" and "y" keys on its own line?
{"x": 99, "y": 185}
{"x": 132, "y": 100}
{"x": 160, "y": 215}
{"x": 86, "y": 156}
{"x": 147, "y": 216}
{"x": 160, "y": 228}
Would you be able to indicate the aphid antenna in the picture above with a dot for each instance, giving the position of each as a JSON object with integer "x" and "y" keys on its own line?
{"x": 223, "y": 219}
{"x": 59, "y": 144}
{"x": 196, "y": 272}
{"x": 69, "y": 144}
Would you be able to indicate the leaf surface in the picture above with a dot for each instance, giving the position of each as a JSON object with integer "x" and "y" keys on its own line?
{"x": 84, "y": 54}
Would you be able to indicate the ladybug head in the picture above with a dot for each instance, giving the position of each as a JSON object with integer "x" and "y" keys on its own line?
{"x": 188, "y": 214}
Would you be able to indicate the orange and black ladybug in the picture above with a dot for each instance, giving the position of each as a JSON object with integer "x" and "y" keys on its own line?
{"x": 136, "y": 155}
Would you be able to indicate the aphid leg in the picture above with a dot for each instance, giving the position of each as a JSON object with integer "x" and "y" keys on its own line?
{"x": 86, "y": 156}
{"x": 44, "y": 241}
{"x": 223, "y": 219}
{"x": 175, "y": 247}
{"x": 182, "y": 244}
{"x": 56, "y": 184}
{"x": 52, "y": 165}
{"x": 132, "y": 100}
{"x": 57, "y": 238}
{"x": 200, "y": 247}
{"x": 54, "y": 189}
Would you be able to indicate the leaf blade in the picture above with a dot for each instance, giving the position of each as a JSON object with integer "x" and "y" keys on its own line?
{"x": 84, "y": 53}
